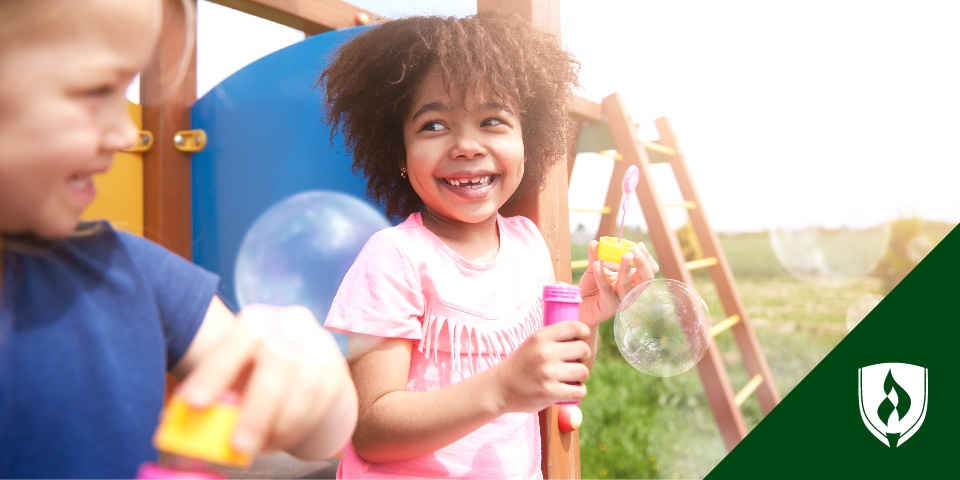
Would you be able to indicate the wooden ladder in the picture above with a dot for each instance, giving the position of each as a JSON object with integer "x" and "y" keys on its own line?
{"x": 608, "y": 126}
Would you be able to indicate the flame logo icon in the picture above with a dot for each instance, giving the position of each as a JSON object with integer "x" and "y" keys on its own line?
{"x": 891, "y": 413}
{"x": 896, "y": 401}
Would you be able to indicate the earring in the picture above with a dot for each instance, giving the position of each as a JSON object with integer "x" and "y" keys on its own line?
{"x": 403, "y": 172}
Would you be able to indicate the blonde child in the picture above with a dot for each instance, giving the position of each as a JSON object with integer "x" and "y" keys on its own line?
{"x": 91, "y": 319}
{"x": 449, "y": 119}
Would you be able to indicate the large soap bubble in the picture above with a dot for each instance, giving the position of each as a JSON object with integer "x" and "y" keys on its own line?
{"x": 298, "y": 251}
{"x": 830, "y": 255}
{"x": 662, "y": 327}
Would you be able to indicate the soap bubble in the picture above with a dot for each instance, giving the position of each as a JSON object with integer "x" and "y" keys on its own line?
{"x": 860, "y": 308}
{"x": 830, "y": 255}
{"x": 662, "y": 327}
{"x": 298, "y": 251}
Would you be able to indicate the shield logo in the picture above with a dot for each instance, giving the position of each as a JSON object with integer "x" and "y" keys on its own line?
{"x": 893, "y": 400}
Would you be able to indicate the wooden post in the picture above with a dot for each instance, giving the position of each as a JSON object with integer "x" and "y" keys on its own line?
{"x": 548, "y": 210}
{"x": 168, "y": 88}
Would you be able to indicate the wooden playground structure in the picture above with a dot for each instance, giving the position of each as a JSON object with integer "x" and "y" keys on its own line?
{"x": 161, "y": 208}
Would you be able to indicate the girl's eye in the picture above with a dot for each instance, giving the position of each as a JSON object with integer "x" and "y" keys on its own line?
{"x": 101, "y": 91}
{"x": 492, "y": 122}
{"x": 432, "y": 127}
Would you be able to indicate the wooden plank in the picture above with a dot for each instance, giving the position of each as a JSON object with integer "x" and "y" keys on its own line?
{"x": 716, "y": 384}
{"x": 586, "y": 110}
{"x": 548, "y": 210}
{"x": 168, "y": 88}
{"x": 310, "y": 16}
{"x": 545, "y": 14}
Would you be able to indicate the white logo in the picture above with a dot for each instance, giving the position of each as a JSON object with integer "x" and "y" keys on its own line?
{"x": 893, "y": 400}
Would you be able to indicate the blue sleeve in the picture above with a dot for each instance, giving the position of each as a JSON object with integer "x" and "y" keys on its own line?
{"x": 182, "y": 290}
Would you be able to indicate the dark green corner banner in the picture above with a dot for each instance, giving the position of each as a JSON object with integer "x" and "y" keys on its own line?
{"x": 885, "y": 403}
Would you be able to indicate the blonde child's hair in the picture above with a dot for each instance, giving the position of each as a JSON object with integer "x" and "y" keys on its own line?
{"x": 24, "y": 21}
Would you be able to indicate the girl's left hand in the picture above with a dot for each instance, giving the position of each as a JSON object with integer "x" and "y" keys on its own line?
{"x": 601, "y": 293}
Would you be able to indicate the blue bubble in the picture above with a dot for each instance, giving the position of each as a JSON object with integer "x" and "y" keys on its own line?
{"x": 298, "y": 251}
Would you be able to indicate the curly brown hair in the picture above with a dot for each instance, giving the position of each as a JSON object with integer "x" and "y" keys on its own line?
{"x": 373, "y": 79}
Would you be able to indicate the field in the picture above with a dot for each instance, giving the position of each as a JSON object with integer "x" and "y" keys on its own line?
{"x": 638, "y": 426}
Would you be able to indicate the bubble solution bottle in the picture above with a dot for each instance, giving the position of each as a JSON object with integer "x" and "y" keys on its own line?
{"x": 561, "y": 303}
{"x": 194, "y": 439}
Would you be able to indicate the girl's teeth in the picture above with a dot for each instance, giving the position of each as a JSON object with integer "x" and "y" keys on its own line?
{"x": 470, "y": 182}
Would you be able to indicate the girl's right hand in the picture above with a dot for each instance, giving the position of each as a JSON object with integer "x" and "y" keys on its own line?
{"x": 539, "y": 373}
{"x": 296, "y": 387}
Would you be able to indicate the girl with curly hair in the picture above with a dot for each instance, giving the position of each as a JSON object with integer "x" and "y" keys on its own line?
{"x": 449, "y": 119}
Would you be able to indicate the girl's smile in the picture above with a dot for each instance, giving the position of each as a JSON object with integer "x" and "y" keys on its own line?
{"x": 470, "y": 186}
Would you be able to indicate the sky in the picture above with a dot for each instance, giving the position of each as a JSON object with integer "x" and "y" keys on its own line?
{"x": 790, "y": 113}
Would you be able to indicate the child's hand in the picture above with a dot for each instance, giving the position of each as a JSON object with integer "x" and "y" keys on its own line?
{"x": 535, "y": 376}
{"x": 601, "y": 293}
{"x": 290, "y": 374}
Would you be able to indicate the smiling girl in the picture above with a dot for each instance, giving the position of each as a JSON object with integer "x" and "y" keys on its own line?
{"x": 449, "y": 120}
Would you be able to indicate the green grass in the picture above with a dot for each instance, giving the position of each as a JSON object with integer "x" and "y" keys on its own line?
{"x": 638, "y": 426}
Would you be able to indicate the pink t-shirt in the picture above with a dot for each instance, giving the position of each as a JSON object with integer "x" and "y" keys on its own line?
{"x": 462, "y": 317}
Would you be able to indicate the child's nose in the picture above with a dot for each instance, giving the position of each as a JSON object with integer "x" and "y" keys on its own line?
{"x": 467, "y": 145}
{"x": 121, "y": 134}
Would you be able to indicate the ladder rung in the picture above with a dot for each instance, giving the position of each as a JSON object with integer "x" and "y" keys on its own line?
{"x": 748, "y": 390}
{"x": 579, "y": 264}
{"x": 610, "y": 153}
{"x": 659, "y": 148}
{"x": 603, "y": 210}
{"x": 685, "y": 204}
{"x": 701, "y": 263}
{"x": 724, "y": 325}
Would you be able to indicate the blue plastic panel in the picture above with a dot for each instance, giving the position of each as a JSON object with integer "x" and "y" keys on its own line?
{"x": 267, "y": 140}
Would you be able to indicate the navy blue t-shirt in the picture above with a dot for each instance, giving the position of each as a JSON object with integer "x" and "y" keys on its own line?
{"x": 89, "y": 327}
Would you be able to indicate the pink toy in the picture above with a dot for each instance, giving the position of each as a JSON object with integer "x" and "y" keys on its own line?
{"x": 152, "y": 471}
{"x": 561, "y": 303}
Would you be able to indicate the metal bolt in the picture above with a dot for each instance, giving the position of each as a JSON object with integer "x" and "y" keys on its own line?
{"x": 144, "y": 139}
{"x": 178, "y": 139}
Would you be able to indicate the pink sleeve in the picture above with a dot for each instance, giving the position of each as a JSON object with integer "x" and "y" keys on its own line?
{"x": 380, "y": 294}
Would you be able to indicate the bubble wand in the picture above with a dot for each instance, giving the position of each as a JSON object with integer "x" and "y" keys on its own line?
{"x": 612, "y": 248}
{"x": 630, "y": 180}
